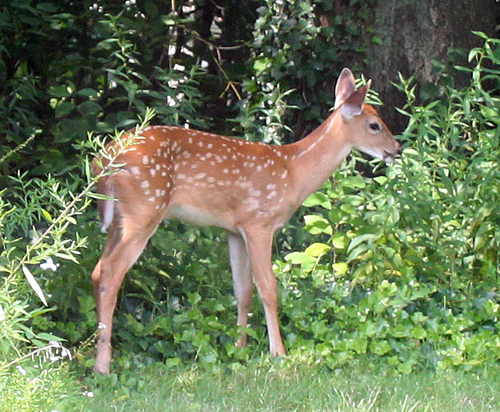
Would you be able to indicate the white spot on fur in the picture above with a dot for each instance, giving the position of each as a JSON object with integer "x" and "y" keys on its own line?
{"x": 251, "y": 204}
{"x": 254, "y": 193}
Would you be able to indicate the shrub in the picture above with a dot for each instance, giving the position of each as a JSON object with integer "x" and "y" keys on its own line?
{"x": 405, "y": 265}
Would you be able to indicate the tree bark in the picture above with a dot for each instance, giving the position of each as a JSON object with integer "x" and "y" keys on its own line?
{"x": 415, "y": 33}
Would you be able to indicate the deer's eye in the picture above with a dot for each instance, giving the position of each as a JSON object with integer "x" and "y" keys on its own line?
{"x": 375, "y": 126}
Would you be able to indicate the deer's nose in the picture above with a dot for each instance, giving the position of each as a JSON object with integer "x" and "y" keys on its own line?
{"x": 399, "y": 152}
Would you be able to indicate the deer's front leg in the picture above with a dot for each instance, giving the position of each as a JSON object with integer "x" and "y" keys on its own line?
{"x": 259, "y": 247}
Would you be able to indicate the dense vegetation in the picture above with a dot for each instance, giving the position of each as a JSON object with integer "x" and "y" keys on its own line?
{"x": 398, "y": 266}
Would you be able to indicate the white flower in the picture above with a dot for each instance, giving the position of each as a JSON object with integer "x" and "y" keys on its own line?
{"x": 49, "y": 265}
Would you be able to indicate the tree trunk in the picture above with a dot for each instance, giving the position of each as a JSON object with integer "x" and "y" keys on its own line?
{"x": 416, "y": 33}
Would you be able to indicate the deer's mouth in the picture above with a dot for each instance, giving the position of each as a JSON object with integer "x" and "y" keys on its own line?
{"x": 389, "y": 157}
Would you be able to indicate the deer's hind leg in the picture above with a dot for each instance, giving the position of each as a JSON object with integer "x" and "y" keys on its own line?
{"x": 242, "y": 281}
{"x": 130, "y": 230}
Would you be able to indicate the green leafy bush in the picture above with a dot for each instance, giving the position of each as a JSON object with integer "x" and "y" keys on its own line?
{"x": 97, "y": 68}
{"x": 405, "y": 265}
{"x": 38, "y": 222}
{"x": 292, "y": 51}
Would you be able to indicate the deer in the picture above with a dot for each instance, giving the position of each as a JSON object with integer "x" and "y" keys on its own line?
{"x": 250, "y": 189}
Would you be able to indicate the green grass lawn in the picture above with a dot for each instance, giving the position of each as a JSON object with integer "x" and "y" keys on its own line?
{"x": 260, "y": 386}
{"x": 288, "y": 387}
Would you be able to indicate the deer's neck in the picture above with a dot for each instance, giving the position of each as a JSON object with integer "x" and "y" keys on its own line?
{"x": 313, "y": 159}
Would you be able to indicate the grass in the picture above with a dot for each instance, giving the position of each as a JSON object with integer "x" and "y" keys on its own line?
{"x": 289, "y": 387}
{"x": 260, "y": 386}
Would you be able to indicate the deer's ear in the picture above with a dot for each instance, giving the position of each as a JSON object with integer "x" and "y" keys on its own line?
{"x": 344, "y": 88}
{"x": 353, "y": 106}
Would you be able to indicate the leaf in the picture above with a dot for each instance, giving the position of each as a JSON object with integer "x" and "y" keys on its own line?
{"x": 355, "y": 182}
{"x": 47, "y": 216}
{"x": 339, "y": 241}
{"x": 473, "y": 53}
{"x": 340, "y": 268}
{"x": 261, "y": 64}
{"x": 89, "y": 108}
{"x": 317, "y": 224}
{"x": 88, "y": 92}
{"x": 382, "y": 180}
{"x": 317, "y": 249}
{"x": 60, "y": 91}
{"x": 360, "y": 239}
{"x": 66, "y": 256}
{"x": 406, "y": 367}
{"x": 173, "y": 20}
{"x": 401, "y": 331}
{"x": 419, "y": 332}
{"x": 318, "y": 199}
{"x": 172, "y": 362}
{"x": 380, "y": 347}
{"x": 49, "y": 337}
{"x": 368, "y": 329}
{"x": 358, "y": 345}
{"x": 47, "y": 7}
{"x": 481, "y": 34}
{"x": 34, "y": 285}
{"x": 335, "y": 215}
{"x": 300, "y": 258}
{"x": 63, "y": 109}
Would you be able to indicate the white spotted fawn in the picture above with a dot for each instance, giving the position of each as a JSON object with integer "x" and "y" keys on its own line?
{"x": 249, "y": 189}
